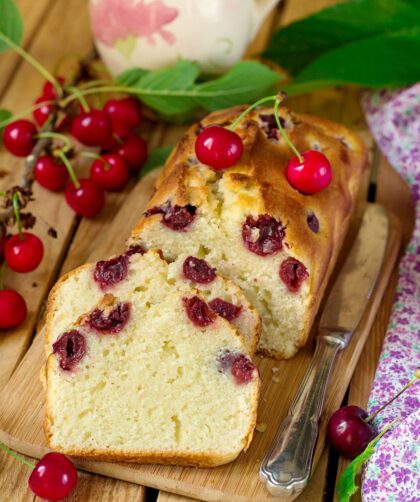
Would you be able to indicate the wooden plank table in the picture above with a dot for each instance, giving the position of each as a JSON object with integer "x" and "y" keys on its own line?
{"x": 53, "y": 29}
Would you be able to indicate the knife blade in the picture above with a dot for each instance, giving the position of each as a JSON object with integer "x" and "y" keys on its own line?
{"x": 287, "y": 465}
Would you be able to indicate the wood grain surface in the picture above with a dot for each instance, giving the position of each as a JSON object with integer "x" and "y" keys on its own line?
{"x": 53, "y": 29}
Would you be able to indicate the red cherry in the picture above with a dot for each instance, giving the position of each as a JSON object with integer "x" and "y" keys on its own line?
{"x": 12, "y": 309}
{"x": 23, "y": 253}
{"x": 310, "y": 176}
{"x": 218, "y": 147}
{"x": 43, "y": 111}
{"x": 93, "y": 128}
{"x": 51, "y": 173}
{"x": 119, "y": 132}
{"x": 126, "y": 111}
{"x": 48, "y": 91}
{"x": 348, "y": 431}
{"x": 109, "y": 172}
{"x": 133, "y": 151}
{"x": 3, "y": 241}
{"x": 19, "y": 137}
{"x": 87, "y": 200}
{"x": 53, "y": 478}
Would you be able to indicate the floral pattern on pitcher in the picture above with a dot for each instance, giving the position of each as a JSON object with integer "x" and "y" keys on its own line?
{"x": 117, "y": 23}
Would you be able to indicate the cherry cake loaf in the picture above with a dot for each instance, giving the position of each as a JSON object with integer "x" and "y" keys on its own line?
{"x": 247, "y": 221}
{"x": 142, "y": 366}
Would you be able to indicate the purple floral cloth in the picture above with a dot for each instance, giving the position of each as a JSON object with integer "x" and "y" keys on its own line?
{"x": 393, "y": 472}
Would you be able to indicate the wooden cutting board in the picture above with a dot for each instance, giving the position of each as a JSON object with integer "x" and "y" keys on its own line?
{"x": 22, "y": 400}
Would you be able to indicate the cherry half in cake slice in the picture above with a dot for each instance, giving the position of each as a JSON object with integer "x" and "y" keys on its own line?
{"x": 263, "y": 235}
{"x": 175, "y": 217}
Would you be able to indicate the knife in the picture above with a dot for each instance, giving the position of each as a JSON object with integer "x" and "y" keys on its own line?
{"x": 287, "y": 465}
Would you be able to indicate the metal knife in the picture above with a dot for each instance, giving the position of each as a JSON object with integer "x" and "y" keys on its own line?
{"x": 287, "y": 465}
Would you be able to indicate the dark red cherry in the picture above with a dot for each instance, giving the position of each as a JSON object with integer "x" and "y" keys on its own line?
{"x": 42, "y": 112}
{"x": 109, "y": 172}
{"x": 126, "y": 111}
{"x": 93, "y": 128}
{"x": 227, "y": 310}
{"x": 70, "y": 347}
{"x": 241, "y": 367}
{"x": 348, "y": 431}
{"x": 19, "y": 137}
{"x": 310, "y": 176}
{"x": 48, "y": 91}
{"x": 111, "y": 322}
{"x": 53, "y": 478}
{"x": 263, "y": 235}
{"x": 107, "y": 273}
{"x": 176, "y": 217}
{"x": 12, "y": 309}
{"x": 198, "y": 270}
{"x": 87, "y": 200}
{"x": 3, "y": 241}
{"x": 198, "y": 311}
{"x": 293, "y": 273}
{"x": 51, "y": 173}
{"x": 133, "y": 150}
{"x": 218, "y": 147}
{"x": 23, "y": 253}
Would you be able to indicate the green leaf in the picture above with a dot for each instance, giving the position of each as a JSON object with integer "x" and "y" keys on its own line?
{"x": 4, "y": 115}
{"x": 174, "y": 92}
{"x": 244, "y": 83}
{"x": 387, "y": 60}
{"x": 156, "y": 159}
{"x": 298, "y": 44}
{"x": 167, "y": 90}
{"x": 131, "y": 76}
{"x": 11, "y": 25}
{"x": 346, "y": 486}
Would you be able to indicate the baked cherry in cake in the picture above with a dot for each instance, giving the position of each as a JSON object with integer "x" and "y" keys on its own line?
{"x": 199, "y": 312}
{"x": 107, "y": 273}
{"x": 70, "y": 347}
{"x": 198, "y": 270}
{"x": 174, "y": 217}
{"x": 240, "y": 365}
{"x": 313, "y": 222}
{"x": 263, "y": 235}
{"x": 110, "y": 322}
{"x": 225, "y": 309}
{"x": 293, "y": 273}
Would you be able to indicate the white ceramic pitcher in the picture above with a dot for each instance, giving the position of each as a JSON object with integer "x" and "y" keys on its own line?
{"x": 156, "y": 33}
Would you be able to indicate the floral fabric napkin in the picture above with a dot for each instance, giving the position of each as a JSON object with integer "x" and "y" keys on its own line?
{"x": 393, "y": 472}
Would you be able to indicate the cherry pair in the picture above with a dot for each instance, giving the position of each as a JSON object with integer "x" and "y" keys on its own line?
{"x": 220, "y": 148}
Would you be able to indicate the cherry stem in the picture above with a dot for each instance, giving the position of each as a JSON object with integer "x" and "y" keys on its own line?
{"x": 2, "y": 271}
{"x": 93, "y": 155}
{"x": 18, "y": 457}
{"x": 32, "y": 61}
{"x": 69, "y": 168}
{"x": 261, "y": 101}
{"x": 56, "y": 135}
{"x": 92, "y": 83}
{"x": 409, "y": 384}
{"x": 283, "y": 132}
{"x": 25, "y": 112}
{"x": 385, "y": 429}
{"x": 76, "y": 92}
{"x": 16, "y": 210}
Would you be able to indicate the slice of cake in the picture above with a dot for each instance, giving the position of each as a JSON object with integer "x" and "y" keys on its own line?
{"x": 135, "y": 272}
{"x": 146, "y": 377}
{"x": 278, "y": 244}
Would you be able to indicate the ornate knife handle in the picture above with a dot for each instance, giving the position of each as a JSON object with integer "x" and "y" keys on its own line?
{"x": 287, "y": 465}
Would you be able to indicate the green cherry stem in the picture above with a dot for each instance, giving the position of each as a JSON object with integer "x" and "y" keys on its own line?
{"x": 16, "y": 210}
{"x": 74, "y": 90}
{"x": 15, "y": 455}
{"x": 69, "y": 168}
{"x": 32, "y": 61}
{"x": 283, "y": 132}
{"x": 261, "y": 101}
{"x": 25, "y": 112}
{"x": 56, "y": 135}
{"x": 93, "y": 155}
{"x": 409, "y": 384}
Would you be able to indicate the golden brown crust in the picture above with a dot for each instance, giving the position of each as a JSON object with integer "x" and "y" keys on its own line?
{"x": 262, "y": 166}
